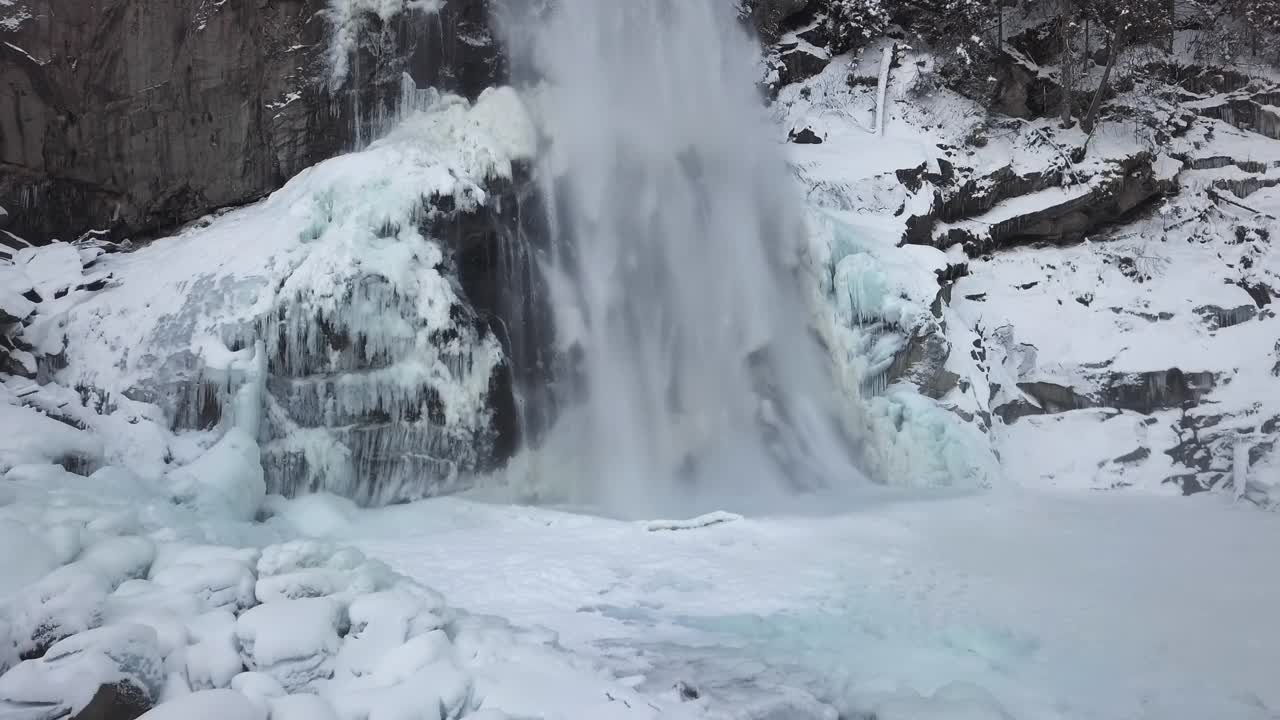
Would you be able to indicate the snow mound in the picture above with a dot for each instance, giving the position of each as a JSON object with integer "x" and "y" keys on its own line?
{"x": 293, "y": 641}
{"x": 30, "y": 437}
{"x": 208, "y": 705}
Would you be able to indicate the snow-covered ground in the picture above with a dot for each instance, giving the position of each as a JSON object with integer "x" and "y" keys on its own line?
{"x": 1001, "y": 604}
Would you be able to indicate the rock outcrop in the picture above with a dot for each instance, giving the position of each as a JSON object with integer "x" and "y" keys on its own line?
{"x": 135, "y": 117}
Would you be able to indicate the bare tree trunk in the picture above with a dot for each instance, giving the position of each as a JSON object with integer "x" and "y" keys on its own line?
{"x": 1067, "y": 63}
{"x": 1092, "y": 116}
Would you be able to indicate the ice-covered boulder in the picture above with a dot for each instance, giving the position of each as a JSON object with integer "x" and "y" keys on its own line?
{"x": 306, "y": 568}
{"x": 70, "y": 675}
{"x": 213, "y": 658}
{"x": 219, "y": 582}
{"x": 67, "y": 601}
{"x": 382, "y": 622}
{"x": 293, "y": 641}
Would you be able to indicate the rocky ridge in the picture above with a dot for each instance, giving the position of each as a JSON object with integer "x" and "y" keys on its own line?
{"x": 1116, "y": 285}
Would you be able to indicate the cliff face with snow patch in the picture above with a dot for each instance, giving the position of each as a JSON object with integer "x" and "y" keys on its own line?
{"x": 135, "y": 117}
{"x": 1098, "y": 304}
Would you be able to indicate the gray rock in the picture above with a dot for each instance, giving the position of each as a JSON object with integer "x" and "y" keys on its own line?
{"x": 137, "y": 116}
{"x": 767, "y": 15}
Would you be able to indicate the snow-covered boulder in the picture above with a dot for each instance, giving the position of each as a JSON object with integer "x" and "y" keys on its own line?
{"x": 65, "y": 602}
{"x": 293, "y": 641}
{"x": 381, "y": 622}
{"x": 71, "y": 673}
{"x": 28, "y": 436}
{"x": 221, "y": 577}
{"x": 213, "y": 658}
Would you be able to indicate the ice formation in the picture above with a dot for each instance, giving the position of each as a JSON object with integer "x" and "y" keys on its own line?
{"x": 323, "y": 329}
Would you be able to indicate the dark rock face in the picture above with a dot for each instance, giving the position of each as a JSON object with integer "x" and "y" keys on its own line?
{"x": 1125, "y": 188}
{"x": 117, "y": 701}
{"x": 767, "y": 15}
{"x": 805, "y": 137}
{"x": 137, "y": 116}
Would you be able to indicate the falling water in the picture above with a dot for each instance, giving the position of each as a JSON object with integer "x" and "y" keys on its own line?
{"x": 674, "y": 221}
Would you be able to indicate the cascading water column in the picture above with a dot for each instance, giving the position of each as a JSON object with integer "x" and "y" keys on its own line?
{"x": 674, "y": 221}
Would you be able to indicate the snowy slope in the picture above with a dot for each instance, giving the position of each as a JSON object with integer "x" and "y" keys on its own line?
{"x": 1153, "y": 341}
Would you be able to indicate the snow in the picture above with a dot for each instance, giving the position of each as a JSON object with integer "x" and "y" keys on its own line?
{"x": 226, "y": 478}
{"x": 1023, "y": 603}
{"x": 28, "y": 437}
{"x": 208, "y": 705}
{"x": 293, "y": 641}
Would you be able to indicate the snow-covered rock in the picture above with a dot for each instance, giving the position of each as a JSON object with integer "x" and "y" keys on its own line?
{"x": 67, "y": 601}
{"x": 28, "y": 436}
{"x": 71, "y": 672}
{"x": 293, "y": 641}
{"x": 222, "y": 578}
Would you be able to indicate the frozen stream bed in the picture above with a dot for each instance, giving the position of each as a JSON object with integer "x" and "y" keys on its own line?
{"x": 1009, "y": 604}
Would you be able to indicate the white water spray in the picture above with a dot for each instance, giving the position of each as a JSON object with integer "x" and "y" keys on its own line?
{"x": 674, "y": 222}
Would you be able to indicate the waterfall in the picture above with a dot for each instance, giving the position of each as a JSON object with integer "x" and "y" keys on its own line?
{"x": 674, "y": 223}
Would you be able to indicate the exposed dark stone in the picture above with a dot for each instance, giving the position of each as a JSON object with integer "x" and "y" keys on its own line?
{"x": 137, "y": 116}
{"x": 1158, "y": 390}
{"x": 980, "y": 194}
{"x": 805, "y": 137}
{"x": 116, "y": 701}
{"x": 1254, "y": 112}
{"x": 952, "y": 272}
{"x": 799, "y": 63}
{"x": 1130, "y": 186}
{"x": 497, "y": 251}
{"x": 923, "y": 362}
{"x": 1055, "y": 398}
{"x": 1260, "y": 292}
{"x": 1132, "y": 457}
{"x": 767, "y": 16}
{"x": 1019, "y": 90}
{"x": 1217, "y": 318}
